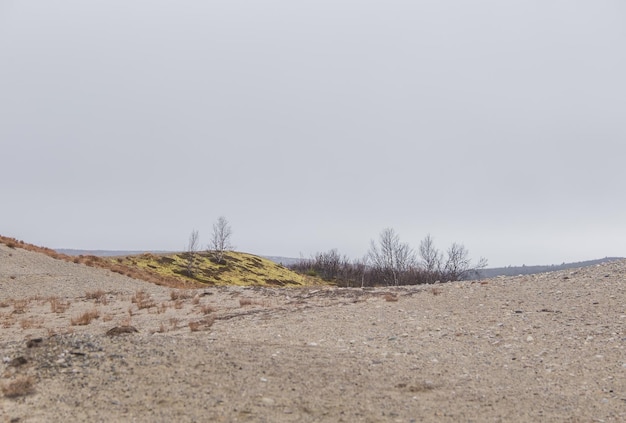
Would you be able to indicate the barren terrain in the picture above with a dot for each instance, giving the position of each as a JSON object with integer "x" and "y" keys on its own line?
{"x": 548, "y": 347}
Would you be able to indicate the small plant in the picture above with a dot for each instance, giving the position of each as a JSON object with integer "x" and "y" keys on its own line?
{"x": 180, "y": 295}
{"x": 22, "y": 386}
{"x": 19, "y": 306}
{"x": 31, "y": 323}
{"x": 85, "y": 318}
{"x": 142, "y": 299}
{"x": 207, "y": 309}
{"x": 57, "y": 305}
{"x": 98, "y": 295}
{"x": 390, "y": 297}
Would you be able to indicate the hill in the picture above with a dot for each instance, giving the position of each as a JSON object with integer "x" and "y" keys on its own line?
{"x": 237, "y": 269}
{"x": 176, "y": 270}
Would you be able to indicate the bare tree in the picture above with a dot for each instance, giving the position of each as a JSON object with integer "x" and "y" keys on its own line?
{"x": 190, "y": 253}
{"x": 458, "y": 266}
{"x": 220, "y": 239}
{"x": 431, "y": 259}
{"x": 390, "y": 257}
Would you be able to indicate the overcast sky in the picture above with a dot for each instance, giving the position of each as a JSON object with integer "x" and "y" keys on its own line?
{"x": 313, "y": 125}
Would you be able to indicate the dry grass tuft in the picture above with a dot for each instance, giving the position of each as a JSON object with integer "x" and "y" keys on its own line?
{"x": 207, "y": 309}
{"x": 390, "y": 297}
{"x": 4, "y": 304}
{"x": 98, "y": 295}
{"x": 21, "y": 386}
{"x": 31, "y": 323}
{"x": 180, "y": 294}
{"x": 205, "y": 323}
{"x": 57, "y": 305}
{"x": 85, "y": 318}
{"x": 436, "y": 291}
{"x": 19, "y": 306}
{"x": 143, "y": 300}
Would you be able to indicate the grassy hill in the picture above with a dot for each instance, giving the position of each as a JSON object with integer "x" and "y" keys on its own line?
{"x": 236, "y": 269}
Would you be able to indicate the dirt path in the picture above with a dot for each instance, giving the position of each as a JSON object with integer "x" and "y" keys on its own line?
{"x": 547, "y": 347}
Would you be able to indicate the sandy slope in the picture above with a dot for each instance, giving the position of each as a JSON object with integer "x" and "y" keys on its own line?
{"x": 547, "y": 347}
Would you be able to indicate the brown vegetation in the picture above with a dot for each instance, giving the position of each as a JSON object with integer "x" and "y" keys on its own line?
{"x": 21, "y": 386}
{"x": 85, "y": 318}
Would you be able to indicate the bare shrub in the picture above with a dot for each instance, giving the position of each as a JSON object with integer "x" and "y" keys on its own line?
{"x": 142, "y": 299}
{"x": 19, "y": 306}
{"x": 205, "y": 323}
{"x": 21, "y": 386}
{"x": 180, "y": 294}
{"x": 98, "y": 295}
{"x": 57, "y": 305}
{"x": 207, "y": 309}
{"x": 85, "y": 318}
{"x": 31, "y": 323}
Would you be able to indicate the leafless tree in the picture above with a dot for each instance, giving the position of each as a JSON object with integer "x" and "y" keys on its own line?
{"x": 458, "y": 266}
{"x": 220, "y": 239}
{"x": 190, "y": 253}
{"x": 390, "y": 257}
{"x": 431, "y": 259}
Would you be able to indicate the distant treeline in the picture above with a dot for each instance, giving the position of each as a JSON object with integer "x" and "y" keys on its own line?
{"x": 529, "y": 270}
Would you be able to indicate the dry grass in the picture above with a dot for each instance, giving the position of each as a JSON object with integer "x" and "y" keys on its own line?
{"x": 435, "y": 290}
{"x": 181, "y": 294}
{"x": 85, "y": 318}
{"x": 21, "y": 386}
{"x": 390, "y": 297}
{"x": 4, "y": 303}
{"x": 205, "y": 323}
{"x": 32, "y": 323}
{"x": 207, "y": 309}
{"x": 19, "y": 306}
{"x": 57, "y": 305}
{"x": 178, "y": 304}
{"x": 7, "y": 320}
{"x": 143, "y": 300}
{"x": 99, "y": 296}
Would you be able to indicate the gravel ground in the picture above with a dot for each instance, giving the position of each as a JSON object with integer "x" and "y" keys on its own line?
{"x": 548, "y": 347}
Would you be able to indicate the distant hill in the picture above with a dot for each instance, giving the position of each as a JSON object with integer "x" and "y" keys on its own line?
{"x": 529, "y": 270}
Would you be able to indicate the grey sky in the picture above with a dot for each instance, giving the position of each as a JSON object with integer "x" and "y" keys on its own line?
{"x": 313, "y": 125}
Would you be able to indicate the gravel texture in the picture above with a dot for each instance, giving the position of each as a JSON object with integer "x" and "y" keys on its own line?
{"x": 547, "y": 347}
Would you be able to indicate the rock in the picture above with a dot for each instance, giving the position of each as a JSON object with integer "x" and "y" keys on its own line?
{"x": 119, "y": 330}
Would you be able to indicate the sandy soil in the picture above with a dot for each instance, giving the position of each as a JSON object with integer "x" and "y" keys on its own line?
{"x": 547, "y": 347}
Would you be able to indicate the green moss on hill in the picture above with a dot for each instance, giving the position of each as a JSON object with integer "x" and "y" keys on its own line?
{"x": 237, "y": 269}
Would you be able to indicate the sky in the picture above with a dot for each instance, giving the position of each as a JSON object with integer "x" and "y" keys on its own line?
{"x": 312, "y": 125}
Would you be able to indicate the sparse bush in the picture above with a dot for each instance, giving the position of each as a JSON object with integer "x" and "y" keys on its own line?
{"x": 142, "y": 299}
{"x": 19, "y": 306}
{"x": 85, "y": 318}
